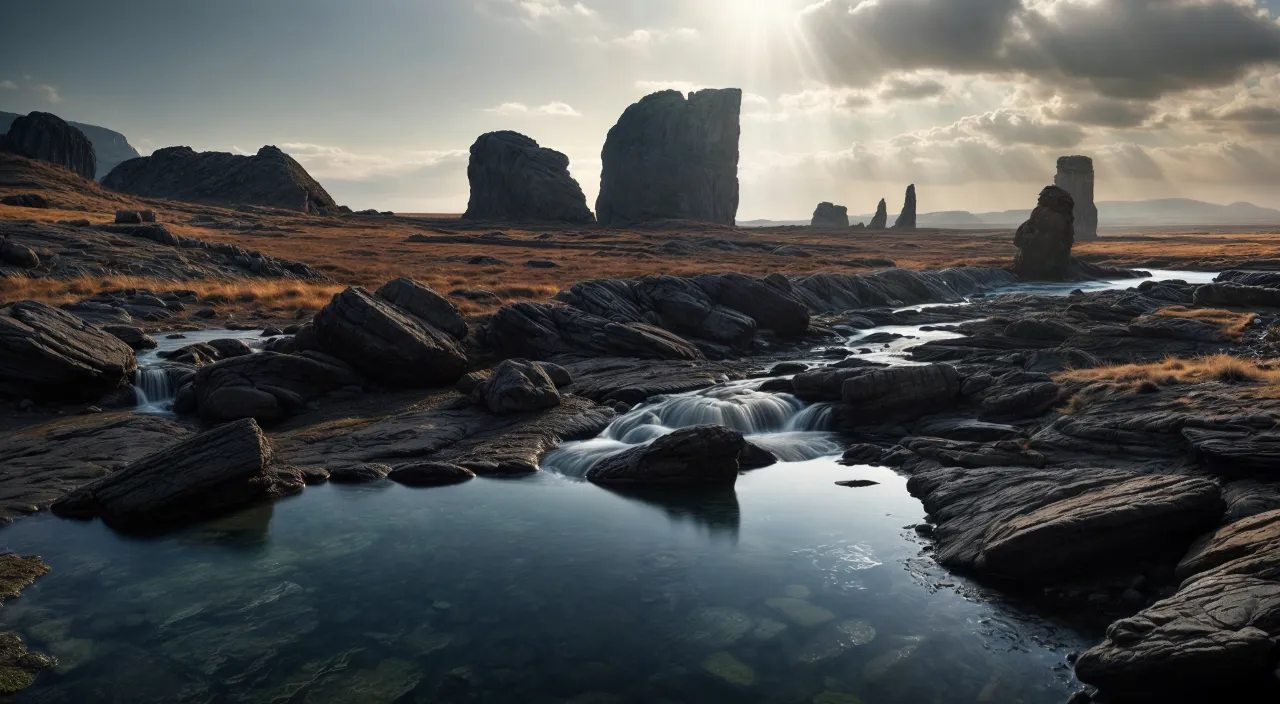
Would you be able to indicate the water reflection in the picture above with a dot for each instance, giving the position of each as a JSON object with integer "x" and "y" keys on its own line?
{"x": 714, "y": 511}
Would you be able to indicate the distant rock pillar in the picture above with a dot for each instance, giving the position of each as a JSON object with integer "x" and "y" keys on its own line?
{"x": 881, "y": 219}
{"x": 907, "y": 220}
{"x": 829, "y": 215}
{"x": 1075, "y": 176}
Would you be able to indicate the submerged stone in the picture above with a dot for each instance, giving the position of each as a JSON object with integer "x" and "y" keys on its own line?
{"x": 767, "y": 629}
{"x": 835, "y": 639}
{"x": 800, "y": 612}
{"x": 716, "y": 626}
{"x": 18, "y": 572}
{"x": 730, "y": 669}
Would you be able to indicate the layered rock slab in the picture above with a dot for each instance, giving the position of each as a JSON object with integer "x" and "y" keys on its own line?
{"x": 48, "y": 353}
{"x": 267, "y": 386}
{"x": 513, "y": 178}
{"x": 699, "y": 456}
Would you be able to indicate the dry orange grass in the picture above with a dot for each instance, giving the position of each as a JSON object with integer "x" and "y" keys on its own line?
{"x": 1233, "y": 324}
{"x": 264, "y": 294}
{"x": 1255, "y": 380}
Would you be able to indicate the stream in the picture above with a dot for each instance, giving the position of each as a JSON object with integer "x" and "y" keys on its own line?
{"x": 545, "y": 588}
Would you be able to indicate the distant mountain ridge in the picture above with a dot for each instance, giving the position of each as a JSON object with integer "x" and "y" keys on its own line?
{"x": 1162, "y": 211}
{"x": 111, "y": 147}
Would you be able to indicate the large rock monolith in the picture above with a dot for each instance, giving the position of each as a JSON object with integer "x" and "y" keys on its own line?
{"x": 46, "y": 137}
{"x": 673, "y": 158}
{"x": 513, "y": 178}
{"x": 1044, "y": 242}
{"x": 1075, "y": 176}
{"x": 829, "y": 215}
{"x": 881, "y": 219}
{"x": 907, "y": 220}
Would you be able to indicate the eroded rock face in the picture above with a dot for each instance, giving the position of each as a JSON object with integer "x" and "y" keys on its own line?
{"x": 881, "y": 219}
{"x": 50, "y": 354}
{"x": 907, "y": 219}
{"x": 267, "y": 386}
{"x": 424, "y": 304}
{"x": 1044, "y": 242}
{"x": 211, "y": 473}
{"x": 519, "y": 386}
{"x": 669, "y": 157}
{"x": 46, "y": 137}
{"x": 1075, "y": 176}
{"x": 702, "y": 455}
{"x": 386, "y": 342}
{"x": 269, "y": 178}
{"x": 828, "y": 215}
{"x": 513, "y": 178}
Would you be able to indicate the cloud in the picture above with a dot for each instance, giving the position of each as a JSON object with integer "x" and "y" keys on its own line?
{"x": 335, "y": 162}
{"x": 642, "y": 38}
{"x": 1006, "y": 126}
{"x": 907, "y": 89}
{"x": 50, "y": 93}
{"x": 554, "y": 109}
{"x": 1099, "y": 111}
{"x": 8, "y": 85}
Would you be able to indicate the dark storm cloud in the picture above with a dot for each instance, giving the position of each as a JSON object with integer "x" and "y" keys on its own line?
{"x": 903, "y": 89}
{"x": 1126, "y": 49}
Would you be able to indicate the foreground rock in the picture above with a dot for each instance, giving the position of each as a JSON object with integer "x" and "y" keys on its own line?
{"x": 518, "y": 386}
{"x": 828, "y": 215}
{"x": 1075, "y": 176}
{"x": 1044, "y": 242}
{"x": 209, "y": 474}
{"x": 672, "y": 158}
{"x": 266, "y": 386}
{"x": 269, "y": 178}
{"x": 50, "y": 354}
{"x": 386, "y": 342}
{"x": 700, "y": 456}
{"x": 46, "y": 137}
{"x": 424, "y": 304}
{"x": 513, "y": 178}
{"x": 907, "y": 218}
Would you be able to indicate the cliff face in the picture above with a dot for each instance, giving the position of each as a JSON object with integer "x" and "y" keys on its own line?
{"x": 513, "y": 178}
{"x": 46, "y": 137}
{"x": 671, "y": 157}
{"x": 269, "y": 178}
{"x": 111, "y": 147}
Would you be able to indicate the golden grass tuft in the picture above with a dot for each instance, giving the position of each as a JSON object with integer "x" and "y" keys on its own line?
{"x": 1220, "y": 368}
{"x": 1233, "y": 324}
{"x": 262, "y": 293}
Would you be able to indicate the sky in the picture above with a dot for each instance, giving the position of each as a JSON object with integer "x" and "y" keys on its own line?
{"x": 845, "y": 100}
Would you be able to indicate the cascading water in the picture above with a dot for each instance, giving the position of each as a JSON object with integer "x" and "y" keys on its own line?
{"x": 152, "y": 390}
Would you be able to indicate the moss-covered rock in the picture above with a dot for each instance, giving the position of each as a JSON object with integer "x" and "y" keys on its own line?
{"x": 18, "y": 572}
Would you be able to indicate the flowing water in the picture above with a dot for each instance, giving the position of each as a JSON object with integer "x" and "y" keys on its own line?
{"x": 152, "y": 387}
{"x": 545, "y": 588}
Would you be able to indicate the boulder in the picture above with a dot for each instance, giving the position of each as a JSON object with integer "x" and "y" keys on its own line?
{"x": 267, "y": 386}
{"x": 424, "y": 304}
{"x": 1044, "y": 242}
{"x": 269, "y": 178}
{"x": 513, "y": 178}
{"x": 518, "y": 386}
{"x": 828, "y": 215}
{"x": 387, "y": 343}
{"x": 881, "y": 219}
{"x": 422, "y": 474}
{"x": 760, "y": 299}
{"x": 538, "y": 331}
{"x": 212, "y": 473}
{"x": 1075, "y": 176}
{"x": 669, "y": 157}
{"x": 128, "y": 217}
{"x": 701, "y": 456}
{"x": 25, "y": 200}
{"x": 18, "y": 255}
{"x": 899, "y": 393}
{"x": 907, "y": 219}
{"x": 50, "y": 354}
{"x": 46, "y": 137}
{"x": 134, "y": 337}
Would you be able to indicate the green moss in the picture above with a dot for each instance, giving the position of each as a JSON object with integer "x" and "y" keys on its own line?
{"x": 13, "y": 679}
{"x": 17, "y": 573}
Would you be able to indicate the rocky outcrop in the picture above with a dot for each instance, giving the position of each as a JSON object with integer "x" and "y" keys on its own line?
{"x": 518, "y": 386}
{"x": 880, "y": 220}
{"x": 1044, "y": 242}
{"x": 512, "y": 178}
{"x": 669, "y": 157}
{"x": 901, "y": 392}
{"x": 699, "y": 456}
{"x": 267, "y": 386}
{"x": 907, "y": 218}
{"x": 110, "y": 147}
{"x": 828, "y": 215}
{"x": 46, "y": 137}
{"x": 424, "y": 304}
{"x": 211, "y": 473}
{"x": 50, "y": 354}
{"x": 537, "y": 331}
{"x": 385, "y": 342}
{"x": 269, "y": 178}
{"x": 25, "y": 200}
{"x": 1075, "y": 176}
{"x": 1237, "y": 295}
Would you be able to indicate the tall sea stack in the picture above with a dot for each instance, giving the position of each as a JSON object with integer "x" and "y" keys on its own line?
{"x": 907, "y": 220}
{"x": 514, "y": 178}
{"x": 1044, "y": 242}
{"x": 672, "y": 157}
{"x": 1075, "y": 176}
{"x": 881, "y": 219}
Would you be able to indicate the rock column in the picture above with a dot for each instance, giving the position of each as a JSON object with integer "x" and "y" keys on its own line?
{"x": 1075, "y": 176}
{"x": 907, "y": 220}
{"x": 881, "y": 219}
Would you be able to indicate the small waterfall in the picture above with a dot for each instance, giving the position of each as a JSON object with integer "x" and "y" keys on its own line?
{"x": 817, "y": 417}
{"x": 152, "y": 389}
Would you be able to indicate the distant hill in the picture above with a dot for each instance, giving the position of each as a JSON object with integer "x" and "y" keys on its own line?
{"x": 1121, "y": 213}
{"x": 110, "y": 147}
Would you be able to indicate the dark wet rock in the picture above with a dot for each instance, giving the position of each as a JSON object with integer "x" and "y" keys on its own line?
{"x": 47, "y": 353}
{"x": 669, "y": 157}
{"x": 1046, "y": 329}
{"x": 1020, "y": 399}
{"x": 271, "y": 331}
{"x": 518, "y": 386}
{"x": 537, "y": 331}
{"x": 18, "y": 255}
{"x": 269, "y": 178}
{"x": 212, "y": 473}
{"x": 423, "y": 474}
{"x": 19, "y": 666}
{"x": 701, "y": 456}
{"x": 1249, "y": 546}
{"x": 862, "y": 453}
{"x": 766, "y": 301}
{"x": 1166, "y": 328}
{"x": 1040, "y": 525}
{"x": 857, "y": 483}
{"x": 267, "y": 386}
{"x": 972, "y": 455}
{"x": 25, "y": 200}
{"x": 1044, "y": 242}
{"x": 881, "y": 219}
{"x": 1237, "y": 295}
{"x": 826, "y": 383}
{"x": 424, "y": 304}
{"x": 46, "y": 137}
{"x": 828, "y": 215}
{"x": 967, "y": 430}
{"x": 387, "y": 343}
{"x": 755, "y": 457}
{"x": 365, "y": 473}
{"x": 513, "y": 178}
{"x": 131, "y": 336}
{"x": 1236, "y": 451}
{"x": 900, "y": 393}
{"x": 779, "y": 386}
{"x": 1075, "y": 176}
{"x": 1249, "y": 498}
{"x": 907, "y": 218}
{"x": 632, "y": 381}
{"x": 195, "y": 355}
{"x": 787, "y": 368}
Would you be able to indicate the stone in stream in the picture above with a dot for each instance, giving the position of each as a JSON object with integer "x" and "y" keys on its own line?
{"x": 513, "y": 178}
{"x": 699, "y": 456}
{"x": 1075, "y": 176}
{"x": 212, "y": 473}
{"x": 834, "y": 640}
{"x": 907, "y": 218}
{"x": 829, "y": 215}
{"x": 46, "y": 137}
{"x": 425, "y": 474}
{"x": 1044, "y": 242}
{"x": 669, "y": 157}
{"x": 132, "y": 336}
{"x": 800, "y": 612}
{"x": 730, "y": 669}
{"x": 50, "y": 354}
{"x": 881, "y": 219}
{"x": 267, "y": 386}
{"x": 899, "y": 393}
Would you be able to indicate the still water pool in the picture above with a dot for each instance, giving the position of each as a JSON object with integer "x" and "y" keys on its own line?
{"x": 539, "y": 589}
